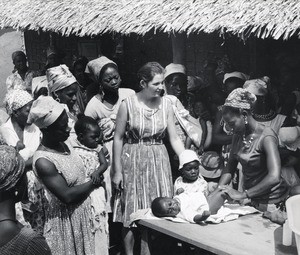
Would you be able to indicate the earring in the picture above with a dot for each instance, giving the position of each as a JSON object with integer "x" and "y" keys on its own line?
{"x": 16, "y": 193}
{"x": 57, "y": 99}
{"x": 245, "y": 120}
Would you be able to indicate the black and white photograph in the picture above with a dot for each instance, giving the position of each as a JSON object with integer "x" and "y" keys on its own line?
{"x": 149, "y": 127}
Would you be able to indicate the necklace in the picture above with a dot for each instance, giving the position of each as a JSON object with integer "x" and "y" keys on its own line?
{"x": 271, "y": 115}
{"x": 247, "y": 144}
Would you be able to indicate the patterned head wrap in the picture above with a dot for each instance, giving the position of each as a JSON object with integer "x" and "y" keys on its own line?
{"x": 95, "y": 66}
{"x": 174, "y": 68}
{"x": 17, "y": 53}
{"x": 240, "y": 98}
{"x": 59, "y": 77}
{"x": 38, "y": 83}
{"x": 16, "y": 99}
{"x": 44, "y": 111}
{"x": 257, "y": 87}
{"x": 11, "y": 167}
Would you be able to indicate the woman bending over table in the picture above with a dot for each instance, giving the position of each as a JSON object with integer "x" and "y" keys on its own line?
{"x": 256, "y": 148}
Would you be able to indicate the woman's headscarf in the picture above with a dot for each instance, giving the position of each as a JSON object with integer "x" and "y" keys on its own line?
{"x": 59, "y": 77}
{"x": 44, "y": 111}
{"x": 16, "y": 99}
{"x": 38, "y": 83}
{"x": 95, "y": 66}
{"x": 257, "y": 87}
{"x": 174, "y": 68}
{"x": 240, "y": 98}
{"x": 11, "y": 167}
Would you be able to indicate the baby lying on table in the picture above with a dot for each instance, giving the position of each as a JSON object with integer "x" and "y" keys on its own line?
{"x": 191, "y": 202}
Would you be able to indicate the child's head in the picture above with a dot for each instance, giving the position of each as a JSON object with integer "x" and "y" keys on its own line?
{"x": 88, "y": 132}
{"x": 189, "y": 165}
{"x": 165, "y": 207}
{"x": 198, "y": 108}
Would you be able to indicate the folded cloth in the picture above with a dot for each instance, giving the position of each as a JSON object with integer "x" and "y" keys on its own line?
{"x": 142, "y": 214}
{"x": 230, "y": 212}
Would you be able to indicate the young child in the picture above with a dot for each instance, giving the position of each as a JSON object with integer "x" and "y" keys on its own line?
{"x": 198, "y": 110}
{"x": 93, "y": 156}
{"x": 191, "y": 201}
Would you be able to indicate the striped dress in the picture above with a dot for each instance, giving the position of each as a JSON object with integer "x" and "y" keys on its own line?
{"x": 145, "y": 160}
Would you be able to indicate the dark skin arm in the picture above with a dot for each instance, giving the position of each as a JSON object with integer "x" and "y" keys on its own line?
{"x": 96, "y": 176}
{"x": 218, "y": 136}
{"x": 55, "y": 182}
{"x": 269, "y": 147}
{"x": 230, "y": 169}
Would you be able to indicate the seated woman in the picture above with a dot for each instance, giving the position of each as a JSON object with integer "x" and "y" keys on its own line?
{"x": 26, "y": 139}
{"x": 256, "y": 148}
{"x": 67, "y": 206}
{"x": 22, "y": 76}
{"x": 14, "y": 237}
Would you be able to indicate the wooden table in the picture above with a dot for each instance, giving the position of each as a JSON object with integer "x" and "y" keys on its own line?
{"x": 250, "y": 234}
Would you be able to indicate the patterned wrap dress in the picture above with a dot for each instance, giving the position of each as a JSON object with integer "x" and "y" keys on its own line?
{"x": 145, "y": 161}
{"x": 67, "y": 227}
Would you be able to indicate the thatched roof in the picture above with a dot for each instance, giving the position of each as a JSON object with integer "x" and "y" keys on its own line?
{"x": 261, "y": 18}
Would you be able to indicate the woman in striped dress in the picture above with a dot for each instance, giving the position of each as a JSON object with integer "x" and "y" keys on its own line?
{"x": 141, "y": 164}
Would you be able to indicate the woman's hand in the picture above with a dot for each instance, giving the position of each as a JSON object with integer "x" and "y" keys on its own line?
{"x": 232, "y": 193}
{"x": 117, "y": 181}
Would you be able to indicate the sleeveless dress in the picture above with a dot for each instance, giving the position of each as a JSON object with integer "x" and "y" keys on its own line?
{"x": 106, "y": 118}
{"x": 145, "y": 161}
{"x": 67, "y": 227}
{"x": 254, "y": 165}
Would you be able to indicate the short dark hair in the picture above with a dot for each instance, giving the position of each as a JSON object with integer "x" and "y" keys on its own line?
{"x": 149, "y": 70}
{"x": 156, "y": 207}
{"x": 83, "y": 123}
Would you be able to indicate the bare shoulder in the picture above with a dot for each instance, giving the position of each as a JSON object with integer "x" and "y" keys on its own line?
{"x": 45, "y": 167}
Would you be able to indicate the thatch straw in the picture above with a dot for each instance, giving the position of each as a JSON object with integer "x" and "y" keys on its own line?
{"x": 261, "y": 18}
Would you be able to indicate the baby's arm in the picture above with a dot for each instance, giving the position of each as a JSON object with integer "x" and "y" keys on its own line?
{"x": 96, "y": 176}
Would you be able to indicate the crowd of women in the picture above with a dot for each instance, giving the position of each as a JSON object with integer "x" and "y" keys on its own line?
{"x": 79, "y": 153}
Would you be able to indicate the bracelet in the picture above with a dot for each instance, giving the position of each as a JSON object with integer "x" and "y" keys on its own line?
{"x": 246, "y": 192}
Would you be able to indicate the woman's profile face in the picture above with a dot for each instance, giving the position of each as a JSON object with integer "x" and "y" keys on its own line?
{"x": 60, "y": 130}
{"x": 235, "y": 122}
{"x": 68, "y": 95}
{"x": 156, "y": 86}
{"x": 111, "y": 80}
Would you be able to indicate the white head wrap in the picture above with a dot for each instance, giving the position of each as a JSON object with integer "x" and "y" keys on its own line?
{"x": 44, "y": 111}
{"x": 38, "y": 83}
{"x": 257, "y": 86}
{"x": 16, "y": 99}
{"x": 95, "y": 66}
{"x": 235, "y": 74}
{"x": 174, "y": 68}
{"x": 59, "y": 77}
